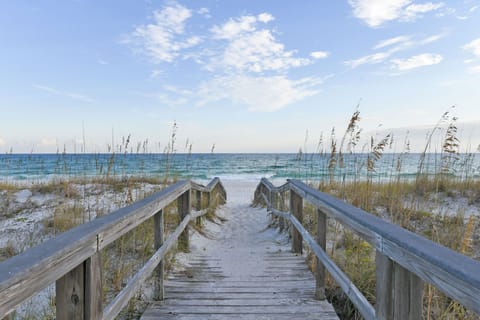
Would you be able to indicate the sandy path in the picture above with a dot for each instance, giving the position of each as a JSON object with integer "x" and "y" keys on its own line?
{"x": 242, "y": 270}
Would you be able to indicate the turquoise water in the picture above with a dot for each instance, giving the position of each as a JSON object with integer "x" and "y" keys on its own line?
{"x": 39, "y": 167}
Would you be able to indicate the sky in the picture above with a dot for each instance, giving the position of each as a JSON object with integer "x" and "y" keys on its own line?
{"x": 236, "y": 76}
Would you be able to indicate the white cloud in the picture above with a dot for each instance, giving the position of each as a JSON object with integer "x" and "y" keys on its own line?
{"x": 434, "y": 38}
{"x": 262, "y": 94}
{"x": 421, "y": 60}
{"x": 414, "y": 11}
{"x": 368, "y": 59}
{"x": 396, "y": 44}
{"x": 2, "y": 142}
{"x": 71, "y": 95}
{"x": 377, "y": 12}
{"x": 319, "y": 54}
{"x": 234, "y": 27}
{"x": 204, "y": 12}
{"x": 265, "y": 17}
{"x": 391, "y": 41}
{"x": 473, "y": 46}
{"x": 250, "y": 49}
{"x": 164, "y": 39}
{"x": 248, "y": 64}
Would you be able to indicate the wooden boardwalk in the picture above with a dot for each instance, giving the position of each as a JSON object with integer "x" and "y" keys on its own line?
{"x": 245, "y": 271}
{"x": 242, "y": 268}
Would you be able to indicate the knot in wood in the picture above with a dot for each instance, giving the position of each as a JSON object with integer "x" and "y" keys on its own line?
{"x": 75, "y": 299}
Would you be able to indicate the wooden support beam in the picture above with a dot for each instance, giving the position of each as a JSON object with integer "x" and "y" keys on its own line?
{"x": 322, "y": 242}
{"x": 198, "y": 206}
{"x": 70, "y": 295}
{"x": 398, "y": 291}
{"x": 79, "y": 292}
{"x": 408, "y": 289}
{"x": 209, "y": 200}
{"x": 281, "y": 220}
{"x": 384, "y": 285}
{"x": 296, "y": 208}
{"x": 158, "y": 225}
{"x": 183, "y": 203}
{"x": 94, "y": 287}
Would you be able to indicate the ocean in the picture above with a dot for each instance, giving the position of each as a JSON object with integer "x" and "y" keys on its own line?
{"x": 41, "y": 167}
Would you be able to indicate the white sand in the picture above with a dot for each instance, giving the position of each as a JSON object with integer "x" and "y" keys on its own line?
{"x": 238, "y": 240}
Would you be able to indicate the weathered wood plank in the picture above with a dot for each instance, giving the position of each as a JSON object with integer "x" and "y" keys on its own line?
{"x": 238, "y": 295}
{"x": 296, "y": 208}
{"x": 319, "y": 267}
{"x": 219, "y": 309}
{"x": 407, "y": 293}
{"x": 183, "y": 203}
{"x": 94, "y": 287}
{"x": 70, "y": 295}
{"x": 139, "y": 278}
{"x": 384, "y": 287}
{"x": 301, "y": 316}
{"x": 216, "y": 289}
{"x": 158, "y": 225}
{"x": 357, "y": 298}
{"x": 241, "y": 302}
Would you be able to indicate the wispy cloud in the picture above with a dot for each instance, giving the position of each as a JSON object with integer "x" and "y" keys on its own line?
{"x": 72, "y": 95}
{"x": 421, "y": 60}
{"x": 392, "y": 46}
{"x": 415, "y": 11}
{"x": 473, "y": 47}
{"x": 164, "y": 39}
{"x": 391, "y": 41}
{"x": 376, "y": 12}
{"x": 373, "y": 58}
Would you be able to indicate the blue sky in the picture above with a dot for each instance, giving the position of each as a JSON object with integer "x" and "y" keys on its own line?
{"x": 247, "y": 76}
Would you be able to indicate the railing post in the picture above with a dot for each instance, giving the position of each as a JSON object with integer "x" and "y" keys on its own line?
{"x": 281, "y": 221}
{"x": 198, "y": 206}
{"x": 296, "y": 208}
{"x": 158, "y": 225}
{"x": 398, "y": 291}
{"x": 79, "y": 292}
{"x": 209, "y": 199}
{"x": 273, "y": 203}
{"x": 183, "y": 203}
{"x": 322, "y": 242}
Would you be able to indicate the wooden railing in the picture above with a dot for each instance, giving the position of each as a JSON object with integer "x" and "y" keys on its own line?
{"x": 404, "y": 260}
{"x": 72, "y": 259}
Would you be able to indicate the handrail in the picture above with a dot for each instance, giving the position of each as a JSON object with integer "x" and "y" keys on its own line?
{"x": 398, "y": 250}
{"x": 30, "y": 272}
